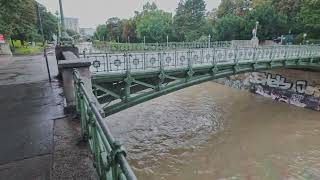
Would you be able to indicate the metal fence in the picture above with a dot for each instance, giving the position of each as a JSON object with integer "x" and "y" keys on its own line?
{"x": 109, "y": 156}
{"x": 138, "y": 47}
{"x": 113, "y": 62}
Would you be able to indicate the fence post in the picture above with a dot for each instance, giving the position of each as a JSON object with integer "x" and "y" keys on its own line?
{"x": 47, "y": 63}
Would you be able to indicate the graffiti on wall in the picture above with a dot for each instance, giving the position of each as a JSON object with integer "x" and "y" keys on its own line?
{"x": 277, "y": 87}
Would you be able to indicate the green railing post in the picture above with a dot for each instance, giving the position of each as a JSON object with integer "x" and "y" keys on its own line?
{"x": 108, "y": 155}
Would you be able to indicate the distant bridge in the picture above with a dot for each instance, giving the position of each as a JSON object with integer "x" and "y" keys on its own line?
{"x": 124, "y": 80}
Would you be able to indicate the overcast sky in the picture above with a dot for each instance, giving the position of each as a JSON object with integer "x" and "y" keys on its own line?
{"x": 94, "y": 12}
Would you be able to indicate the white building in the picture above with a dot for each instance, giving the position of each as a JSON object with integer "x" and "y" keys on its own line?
{"x": 87, "y": 31}
{"x": 71, "y": 24}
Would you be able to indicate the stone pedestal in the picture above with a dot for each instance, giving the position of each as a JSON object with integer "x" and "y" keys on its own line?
{"x": 255, "y": 42}
{"x": 82, "y": 66}
{"x": 60, "y": 55}
{"x": 5, "y": 49}
{"x": 67, "y": 67}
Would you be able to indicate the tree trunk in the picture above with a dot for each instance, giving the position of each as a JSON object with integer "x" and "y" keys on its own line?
{"x": 12, "y": 43}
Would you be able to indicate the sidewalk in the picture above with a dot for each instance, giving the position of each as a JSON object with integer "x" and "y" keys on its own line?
{"x": 38, "y": 141}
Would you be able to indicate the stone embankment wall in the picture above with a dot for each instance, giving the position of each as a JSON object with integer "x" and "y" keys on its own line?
{"x": 296, "y": 87}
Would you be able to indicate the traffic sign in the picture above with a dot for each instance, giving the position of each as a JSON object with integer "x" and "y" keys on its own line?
{"x": 2, "y": 38}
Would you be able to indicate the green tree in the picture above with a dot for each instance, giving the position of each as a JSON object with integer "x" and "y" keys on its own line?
{"x": 149, "y": 7}
{"x": 272, "y": 23}
{"x": 18, "y": 19}
{"x": 129, "y": 30}
{"x": 310, "y": 17}
{"x": 291, "y": 9}
{"x": 189, "y": 21}
{"x": 114, "y": 28}
{"x": 229, "y": 27}
{"x": 235, "y": 7}
{"x": 155, "y": 26}
{"x": 101, "y": 32}
{"x": 49, "y": 23}
{"x": 180, "y": 22}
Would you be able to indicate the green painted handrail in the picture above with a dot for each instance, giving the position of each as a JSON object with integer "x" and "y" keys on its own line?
{"x": 108, "y": 154}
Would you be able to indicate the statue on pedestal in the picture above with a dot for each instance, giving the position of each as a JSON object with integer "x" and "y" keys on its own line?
{"x": 255, "y": 40}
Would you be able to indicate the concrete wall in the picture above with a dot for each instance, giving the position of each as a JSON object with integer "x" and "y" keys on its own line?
{"x": 296, "y": 87}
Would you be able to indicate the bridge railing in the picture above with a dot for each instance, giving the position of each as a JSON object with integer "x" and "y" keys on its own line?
{"x": 139, "y": 47}
{"x": 113, "y": 62}
{"x": 108, "y": 154}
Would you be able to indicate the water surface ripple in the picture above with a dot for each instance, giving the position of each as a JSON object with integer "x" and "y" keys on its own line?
{"x": 210, "y": 131}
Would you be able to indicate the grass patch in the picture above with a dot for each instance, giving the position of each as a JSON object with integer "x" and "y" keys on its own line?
{"x": 28, "y": 50}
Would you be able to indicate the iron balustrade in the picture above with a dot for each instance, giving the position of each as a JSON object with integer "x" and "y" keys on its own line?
{"x": 120, "y": 47}
{"x": 140, "y": 61}
{"x": 124, "y": 80}
{"x": 108, "y": 154}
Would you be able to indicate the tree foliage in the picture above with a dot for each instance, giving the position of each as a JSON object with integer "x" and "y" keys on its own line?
{"x": 49, "y": 22}
{"x": 19, "y": 20}
{"x": 310, "y": 17}
{"x": 233, "y": 19}
{"x": 189, "y": 21}
{"x": 154, "y": 25}
{"x": 101, "y": 32}
{"x": 228, "y": 28}
{"x": 272, "y": 23}
{"x": 129, "y": 30}
{"x": 114, "y": 29}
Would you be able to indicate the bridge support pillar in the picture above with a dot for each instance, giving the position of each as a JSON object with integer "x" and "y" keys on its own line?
{"x": 60, "y": 55}
{"x": 67, "y": 68}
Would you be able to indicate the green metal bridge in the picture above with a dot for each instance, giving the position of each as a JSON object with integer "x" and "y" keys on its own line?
{"x": 123, "y": 80}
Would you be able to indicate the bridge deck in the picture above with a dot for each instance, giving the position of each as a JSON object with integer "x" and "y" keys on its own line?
{"x": 123, "y": 80}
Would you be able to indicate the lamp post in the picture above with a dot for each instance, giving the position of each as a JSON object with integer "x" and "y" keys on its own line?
{"x": 65, "y": 38}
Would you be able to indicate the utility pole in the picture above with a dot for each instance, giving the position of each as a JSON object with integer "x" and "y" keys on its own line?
{"x": 40, "y": 23}
{"x": 61, "y": 17}
{"x": 59, "y": 28}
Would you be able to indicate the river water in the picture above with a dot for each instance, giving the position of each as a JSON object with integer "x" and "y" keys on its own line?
{"x": 211, "y": 131}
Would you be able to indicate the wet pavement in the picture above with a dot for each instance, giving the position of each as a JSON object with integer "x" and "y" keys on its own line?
{"x": 38, "y": 140}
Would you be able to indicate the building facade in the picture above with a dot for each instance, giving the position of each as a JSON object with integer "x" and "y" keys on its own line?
{"x": 87, "y": 31}
{"x": 71, "y": 24}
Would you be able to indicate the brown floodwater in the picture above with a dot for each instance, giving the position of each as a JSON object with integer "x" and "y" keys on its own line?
{"x": 210, "y": 131}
